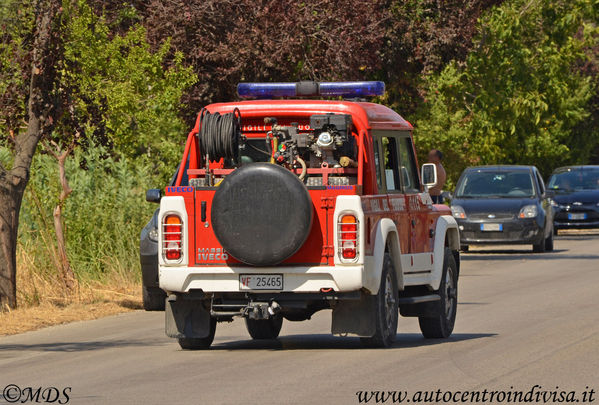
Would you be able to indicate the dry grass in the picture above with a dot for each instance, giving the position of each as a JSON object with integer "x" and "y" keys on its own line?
{"x": 43, "y": 300}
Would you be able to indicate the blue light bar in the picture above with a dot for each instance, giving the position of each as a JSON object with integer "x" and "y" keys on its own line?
{"x": 352, "y": 89}
{"x": 265, "y": 90}
{"x": 310, "y": 89}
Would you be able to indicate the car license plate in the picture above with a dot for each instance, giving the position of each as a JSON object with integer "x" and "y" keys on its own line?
{"x": 261, "y": 281}
{"x": 577, "y": 216}
{"x": 491, "y": 227}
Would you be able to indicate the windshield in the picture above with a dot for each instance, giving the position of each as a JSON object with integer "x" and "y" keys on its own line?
{"x": 495, "y": 184}
{"x": 572, "y": 180}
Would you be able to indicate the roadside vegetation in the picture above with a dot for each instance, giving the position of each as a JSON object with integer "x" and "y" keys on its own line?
{"x": 119, "y": 84}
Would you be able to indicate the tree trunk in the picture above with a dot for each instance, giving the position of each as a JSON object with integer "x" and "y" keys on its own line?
{"x": 41, "y": 113}
{"x": 10, "y": 201}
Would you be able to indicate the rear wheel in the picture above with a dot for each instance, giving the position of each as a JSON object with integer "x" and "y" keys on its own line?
{"x": 264, "y": 329}
{"x": 386, "y": 308}
{"x": 199, "y": 343}
{"x": 441, "y": 326}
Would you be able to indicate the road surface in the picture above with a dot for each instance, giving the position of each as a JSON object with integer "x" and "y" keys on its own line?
{"x": 523, "y": 319}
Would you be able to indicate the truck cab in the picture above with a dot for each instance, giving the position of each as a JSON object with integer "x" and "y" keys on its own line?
{"x": 297, "y": 204}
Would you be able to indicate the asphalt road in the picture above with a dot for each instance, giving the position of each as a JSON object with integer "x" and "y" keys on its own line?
{"x": 523, "y": 319}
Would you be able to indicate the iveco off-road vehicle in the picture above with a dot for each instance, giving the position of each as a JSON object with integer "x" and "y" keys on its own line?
{"x": 301, "y": 200}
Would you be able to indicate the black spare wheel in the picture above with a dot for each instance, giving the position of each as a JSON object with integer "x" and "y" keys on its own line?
{"x": 261, "y": 214}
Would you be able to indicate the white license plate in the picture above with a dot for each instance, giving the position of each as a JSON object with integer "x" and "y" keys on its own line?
{"x": 261, "y": 281}
{"x": 576, "y": 217}
{"x": 491, "y": 227}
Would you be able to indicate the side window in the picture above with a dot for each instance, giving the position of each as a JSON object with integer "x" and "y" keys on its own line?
{"x": 377, "y": 162}
{"x": 391, "y": 163}
{"x": 541, "y": 183}
{"x": 409, "y": 171}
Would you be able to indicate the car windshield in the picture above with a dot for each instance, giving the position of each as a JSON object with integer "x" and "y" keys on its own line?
{"x": 495, "y": 184}
{"x": 573, "y": 180}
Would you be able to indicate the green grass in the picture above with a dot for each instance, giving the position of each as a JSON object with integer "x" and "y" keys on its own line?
{"x": 103, "y": 216}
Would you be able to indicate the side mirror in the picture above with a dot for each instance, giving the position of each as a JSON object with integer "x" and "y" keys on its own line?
{"x": 428, "y": 173}
{"x": 153, "y": 195}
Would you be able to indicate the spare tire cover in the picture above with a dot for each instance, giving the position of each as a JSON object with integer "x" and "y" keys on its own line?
{"x": 261, "y": 214}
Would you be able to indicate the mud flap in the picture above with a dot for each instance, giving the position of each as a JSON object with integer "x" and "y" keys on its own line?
{"x": 186, "y": 319}
{"x": 355, "y": 317}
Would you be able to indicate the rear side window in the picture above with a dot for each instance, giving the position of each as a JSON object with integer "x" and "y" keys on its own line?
{"x": 377, "y": 163}
{"x": 391, "y": 163}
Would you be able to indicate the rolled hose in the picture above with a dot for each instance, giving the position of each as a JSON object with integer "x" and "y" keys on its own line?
{"x": 219, "y": 135}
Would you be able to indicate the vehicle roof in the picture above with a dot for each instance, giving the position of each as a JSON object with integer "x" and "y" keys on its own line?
{"x": 364, "y": 114}
{"x": 489, "y": 168}
{"x": 577, "y": 167}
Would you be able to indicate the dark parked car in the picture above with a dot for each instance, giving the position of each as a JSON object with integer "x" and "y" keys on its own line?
{"x": 576, "y": 199}
{"x": 503, "y": 205}
{"x": 153, "y": 296}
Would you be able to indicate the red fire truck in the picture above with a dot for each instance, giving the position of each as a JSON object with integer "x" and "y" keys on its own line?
{"x": 300, "y": 200}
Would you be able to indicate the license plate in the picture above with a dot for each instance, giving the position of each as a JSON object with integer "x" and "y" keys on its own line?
{"x": 577, "y": 216}
{"x": 261, "y": 281}
{"x": 491, "y": 227}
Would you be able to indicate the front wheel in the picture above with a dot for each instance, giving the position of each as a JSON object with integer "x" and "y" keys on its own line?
{"x": 441, "y": 325}
{"x": 199, "y": 343}
{"x": 264, "y": 329}
{"x": 386, "y": 308}
{"x": 549, "y": 242}
{"x": 539, "y": 247}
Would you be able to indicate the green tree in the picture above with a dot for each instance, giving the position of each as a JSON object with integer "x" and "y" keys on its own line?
{"x": 118, "y": 92}
{"x": 517, "y": 98}
{"x": 66, "y": 80}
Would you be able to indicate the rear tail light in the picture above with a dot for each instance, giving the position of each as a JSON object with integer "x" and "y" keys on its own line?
{"x": 172, "y": 240}
{"x": 347, "y": 229}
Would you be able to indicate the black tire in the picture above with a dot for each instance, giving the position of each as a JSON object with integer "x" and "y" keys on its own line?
{"x": 539, "y": 247}
{"x": 264, "y": 329}
{"x": 441, "y": 326}
{"x": 549, "y": 242}
{"x": 199, "y": 343}
{"x": 153, "y": 298}
{"x": 272, "y": 222}
{"x": 386, "y": 308}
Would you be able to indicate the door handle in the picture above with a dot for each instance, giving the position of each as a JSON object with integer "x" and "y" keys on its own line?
{"x": 203, "y": 211}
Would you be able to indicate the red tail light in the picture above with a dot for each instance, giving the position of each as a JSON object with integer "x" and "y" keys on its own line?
{"x": 348, "y": 236}
{"x": 172, "y": 241}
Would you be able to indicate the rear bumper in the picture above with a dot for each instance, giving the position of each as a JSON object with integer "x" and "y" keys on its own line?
{"x": 303, "y": 279}
{"x": 515, "y": 231}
